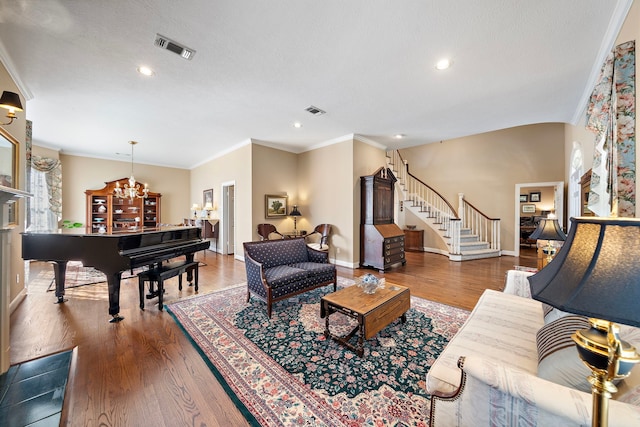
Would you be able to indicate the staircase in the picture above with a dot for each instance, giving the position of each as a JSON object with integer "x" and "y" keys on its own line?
{"x": 468, "y": 234}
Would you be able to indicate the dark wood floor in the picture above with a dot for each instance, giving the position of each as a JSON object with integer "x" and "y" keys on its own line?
{"x": 143, "y": 371}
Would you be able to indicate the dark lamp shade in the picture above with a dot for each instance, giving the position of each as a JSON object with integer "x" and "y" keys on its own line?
{"x": 10, "y": 100}
{"x": 548, "y": 229}
{"x": 597, "y": 271}
{"x": 295, "y": 211}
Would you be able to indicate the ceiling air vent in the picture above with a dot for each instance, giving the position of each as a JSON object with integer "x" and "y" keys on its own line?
{"x": 175, "y": 47}
{"x": 315, "y": 110}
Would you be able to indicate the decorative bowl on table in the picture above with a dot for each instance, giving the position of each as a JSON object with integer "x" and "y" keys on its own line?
{"x": 410, "y": 227}
{"x": 370, "y": 283}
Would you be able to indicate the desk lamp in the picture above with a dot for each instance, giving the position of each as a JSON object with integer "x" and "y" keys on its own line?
{"x": 295, "y": 213}
{"x": 597, "y": 274}
{"x": 548, "y": 229}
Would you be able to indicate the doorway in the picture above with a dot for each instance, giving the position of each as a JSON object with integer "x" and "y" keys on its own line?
{"x": 556, "y": 205}
{"x": 228, "y": 218}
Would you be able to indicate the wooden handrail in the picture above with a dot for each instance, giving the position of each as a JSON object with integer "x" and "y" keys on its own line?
{"x": 428, "y": 186}
{"x": 480, "y": 212}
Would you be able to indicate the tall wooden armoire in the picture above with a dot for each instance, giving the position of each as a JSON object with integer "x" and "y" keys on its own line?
{"x": 108, "y": 213}
{"x": 381, "y": 240}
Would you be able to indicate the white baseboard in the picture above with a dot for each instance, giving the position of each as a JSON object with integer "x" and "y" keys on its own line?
{"x": 17, "y": 300}
{"x": 436, "y": 251}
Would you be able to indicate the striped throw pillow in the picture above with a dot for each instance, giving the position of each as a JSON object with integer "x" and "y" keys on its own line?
{"x": 558, "y": 359}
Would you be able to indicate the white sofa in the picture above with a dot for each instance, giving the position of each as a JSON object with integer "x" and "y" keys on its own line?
{"x": 488, "y": 373}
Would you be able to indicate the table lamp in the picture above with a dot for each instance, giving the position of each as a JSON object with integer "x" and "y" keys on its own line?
{"x": 295, "y": 213}
{"x": 597, "y": 274}
{"x": 208, "y": 207}
{"x": 195, "y": 208}
{"x": 549, "y": 229}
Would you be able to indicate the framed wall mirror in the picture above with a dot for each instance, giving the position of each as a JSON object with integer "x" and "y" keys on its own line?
{"x": 8, "y": 159}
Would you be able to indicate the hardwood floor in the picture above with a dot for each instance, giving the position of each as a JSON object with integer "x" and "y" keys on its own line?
{"x": 143, "y": 371}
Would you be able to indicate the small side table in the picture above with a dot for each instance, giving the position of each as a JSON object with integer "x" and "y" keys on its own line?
{"x": 294, "y": 234}
{"x": 374, "y": 312}
{"x": 413, "y": 240}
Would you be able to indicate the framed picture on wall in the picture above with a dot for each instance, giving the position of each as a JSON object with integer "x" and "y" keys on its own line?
{"x": 207, "y": 197}
{"x": 534, "y": 196}
{"x": 524, "y": 198}
{"x": 528, "y": 208}
{"x": 275, "y": 206}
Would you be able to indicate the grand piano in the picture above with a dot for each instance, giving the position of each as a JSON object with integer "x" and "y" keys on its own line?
{"x": 112, "y": 253}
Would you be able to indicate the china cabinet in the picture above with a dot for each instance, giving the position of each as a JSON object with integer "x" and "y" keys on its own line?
{"x": 106, "y": 213}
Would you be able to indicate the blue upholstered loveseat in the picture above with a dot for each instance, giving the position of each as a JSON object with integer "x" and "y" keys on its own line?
{"x": 279, "y": 269}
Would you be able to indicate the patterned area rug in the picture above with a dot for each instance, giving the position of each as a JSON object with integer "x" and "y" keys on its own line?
{"x": 283, "y": 372}
{"x": 78, "y": 275}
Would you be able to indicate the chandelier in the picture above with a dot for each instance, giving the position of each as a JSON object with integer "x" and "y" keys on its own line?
{"x": 131, "y": 190}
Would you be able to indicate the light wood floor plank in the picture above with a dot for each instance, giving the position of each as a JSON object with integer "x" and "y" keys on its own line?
{"x": 144, "y": 371}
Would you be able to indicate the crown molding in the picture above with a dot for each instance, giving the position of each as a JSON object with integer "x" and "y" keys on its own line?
{"x": 613, "y": 30}
{"x": 11, "y": 69}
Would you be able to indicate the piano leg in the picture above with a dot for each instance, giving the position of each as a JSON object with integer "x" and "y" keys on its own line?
{"x": 189, "y": 258}
{"x": 59, "y": 270}
{"x": 113, "y": 281}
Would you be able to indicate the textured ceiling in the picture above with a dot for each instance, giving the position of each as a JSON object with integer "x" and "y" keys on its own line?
{"x": 258, "y": 64}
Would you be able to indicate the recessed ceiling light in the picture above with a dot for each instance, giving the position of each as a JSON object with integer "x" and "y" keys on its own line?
{"x": 145, "y": 71}
{"x": 398, "y": 136}
{"x": 297, "y": 125}
{"x": 443, "y": 64}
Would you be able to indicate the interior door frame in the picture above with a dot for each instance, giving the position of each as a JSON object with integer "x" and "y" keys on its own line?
{"x": 228, "y": 219}
{"x": 559, "y": 205}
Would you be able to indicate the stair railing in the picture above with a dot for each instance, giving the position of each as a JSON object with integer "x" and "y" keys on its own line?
{"x": 431, "y": 202}
{"x": 487, "y": 229}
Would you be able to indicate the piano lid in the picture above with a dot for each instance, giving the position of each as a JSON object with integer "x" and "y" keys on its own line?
{"x": 115, "y": 233}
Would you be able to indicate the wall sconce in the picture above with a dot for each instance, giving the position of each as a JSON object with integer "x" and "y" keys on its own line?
{"x": 10, "y": 101}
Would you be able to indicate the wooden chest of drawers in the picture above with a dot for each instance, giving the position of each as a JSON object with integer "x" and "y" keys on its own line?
{"x": 383, "y": 246}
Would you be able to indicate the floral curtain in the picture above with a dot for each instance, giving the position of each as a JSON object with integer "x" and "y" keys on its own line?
{"x": 611, "y": 115}
{"x": 46, "y": 186}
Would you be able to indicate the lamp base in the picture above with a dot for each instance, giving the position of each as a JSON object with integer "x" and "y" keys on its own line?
{"x": 609, "y": 359}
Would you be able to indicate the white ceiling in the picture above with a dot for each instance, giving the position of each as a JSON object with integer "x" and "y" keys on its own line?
{"x": 370, "y": 64}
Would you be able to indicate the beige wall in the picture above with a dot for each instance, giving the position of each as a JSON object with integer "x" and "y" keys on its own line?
{"x": 18, "y": 130}
{"x": 325, "y": 183}
{"x": 86, "y": 173}
{"x": 231, "y": 168}
{"x": 486, "y": 168}
{"x": 366, "y": 160}
{"x": 275, "y": 172}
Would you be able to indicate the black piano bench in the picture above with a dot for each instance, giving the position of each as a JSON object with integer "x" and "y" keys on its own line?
{"x": 163, "y": 272}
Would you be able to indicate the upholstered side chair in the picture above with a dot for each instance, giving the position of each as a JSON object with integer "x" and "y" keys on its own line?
{"x": 265, "y": 230}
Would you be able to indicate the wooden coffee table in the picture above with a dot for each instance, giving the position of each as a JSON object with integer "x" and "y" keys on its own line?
{"x": 373, "y": 312}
